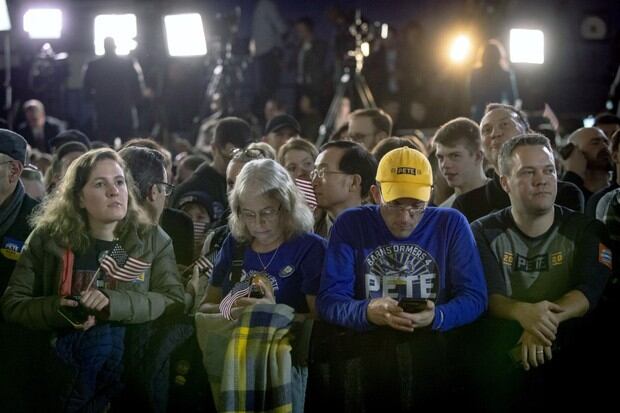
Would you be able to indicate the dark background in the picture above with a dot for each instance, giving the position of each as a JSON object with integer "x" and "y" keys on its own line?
{"x": 574, "y": 79}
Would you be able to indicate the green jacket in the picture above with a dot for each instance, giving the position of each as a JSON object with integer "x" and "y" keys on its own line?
{"x": 32, "y": 297}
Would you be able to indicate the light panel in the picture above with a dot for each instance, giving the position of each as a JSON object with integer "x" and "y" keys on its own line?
{"x": 527, "y": 46}
{"x": 185, "y": 35}
{"x": 121, "y": 27}
{"x": 43, "y": 23}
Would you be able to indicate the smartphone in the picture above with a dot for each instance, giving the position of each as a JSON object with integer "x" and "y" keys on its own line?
{"x": 256, "y": 291}
{"x": 74, "y": 315}
{"x": 412, "y": 305}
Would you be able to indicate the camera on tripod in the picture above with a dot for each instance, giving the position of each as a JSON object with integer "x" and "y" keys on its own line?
{"x": 222, "y": 96}
{"x": 365, "y": 34}
{"x": 352, "y": 83}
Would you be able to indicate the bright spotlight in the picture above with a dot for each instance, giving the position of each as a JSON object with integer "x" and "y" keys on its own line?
{"x": 527, "y": 46}
{"x": 43, "y": 23}
{"x": 185, "y": 35}
{"x": 365, "y": 48}
{"x": 5, "y": 20}
{"x": 460, "y": 49}
{"x": 121, "y": 27}
{"x": 384, "y": 31}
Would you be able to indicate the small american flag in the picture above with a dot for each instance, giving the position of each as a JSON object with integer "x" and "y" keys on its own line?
{"x": 305, "y": 187}
{"x": 200, "y": 233}
{"x": 241, "y": 289}
{"x": 204, "y": 264}
{"x": 119, "y": 265}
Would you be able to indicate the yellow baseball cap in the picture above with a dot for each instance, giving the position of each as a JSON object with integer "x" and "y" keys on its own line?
{"x": 405, "y": 173}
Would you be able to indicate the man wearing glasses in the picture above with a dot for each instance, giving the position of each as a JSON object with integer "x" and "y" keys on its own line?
{"x": 381, "y": 256}
{"x": 19, "y": 347}
{"x": 15, "y": 204}
{"x": 341, "y": 179}
{"x": 369, "y": 126}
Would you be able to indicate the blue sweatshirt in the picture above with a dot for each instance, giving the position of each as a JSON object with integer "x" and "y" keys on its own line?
{"x": 438, "y": 261}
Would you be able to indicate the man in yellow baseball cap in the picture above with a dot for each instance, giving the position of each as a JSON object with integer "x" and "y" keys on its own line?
{"x": 404, "y": 183}
{"x": 400, "y": 265}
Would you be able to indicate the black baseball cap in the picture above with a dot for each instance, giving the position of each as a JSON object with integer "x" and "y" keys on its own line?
{"x": 196, "y": 197}
{"x": 70, "y": 135}
{"x": 282, "y": 121}
{"x": 13, "y": 145}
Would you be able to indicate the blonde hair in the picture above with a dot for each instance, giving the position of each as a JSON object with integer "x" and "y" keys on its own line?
{"x": 266, "y": 177}
{"x": 299, "y": 144}
{"x": 66, "y": 222}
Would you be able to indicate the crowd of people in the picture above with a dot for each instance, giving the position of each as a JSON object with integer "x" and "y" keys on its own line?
{"x": 471, "y": 268}
{"x": 405, "y": 297}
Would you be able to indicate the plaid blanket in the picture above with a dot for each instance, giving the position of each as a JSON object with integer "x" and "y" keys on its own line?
{"x": 257, "y": 367}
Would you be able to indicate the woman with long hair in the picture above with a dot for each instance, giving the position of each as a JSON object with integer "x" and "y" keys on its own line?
{"x": 93, "y": 263}
{"x": 492, "y": 80}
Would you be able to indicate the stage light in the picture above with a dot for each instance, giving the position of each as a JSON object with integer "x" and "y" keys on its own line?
{"x": 384, "y": 31}
{"x": 5, "y": 20}
{"x": 460, "y": 49}
{"x": 43, "y": 23}
{"x": 527, "y": 46}
{"x": 185, "y": 35}
{"x": 365, "y": 48}
{"x": 121, "y": 27}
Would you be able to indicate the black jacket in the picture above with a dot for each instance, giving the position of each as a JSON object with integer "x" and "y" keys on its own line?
{"x": 51, "y": 128}
{"x": 178, "y": 225}
{"x": 208, "y": 181}
{"x": 12, "y": 241}
{"x": 492, "y": 197}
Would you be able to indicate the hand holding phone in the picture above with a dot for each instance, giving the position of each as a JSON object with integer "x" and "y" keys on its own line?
{"x": 71, "y": 310}
{"x": 413, "y": 305}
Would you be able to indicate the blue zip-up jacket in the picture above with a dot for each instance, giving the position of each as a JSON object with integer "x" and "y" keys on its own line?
{"x": 438, "y": 261}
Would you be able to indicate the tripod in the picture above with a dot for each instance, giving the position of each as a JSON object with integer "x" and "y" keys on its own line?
{"x": 355, "y": 83}
{"x": 352, "y": 82}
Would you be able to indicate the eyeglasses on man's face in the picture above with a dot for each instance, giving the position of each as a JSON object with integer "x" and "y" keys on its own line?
{"x": 412, "y": 211}
{"x": 166, "y": 188}
{"x": 321, "y": 172}
{"x": 266, "y": 215}
{"x": 396, "y": 207}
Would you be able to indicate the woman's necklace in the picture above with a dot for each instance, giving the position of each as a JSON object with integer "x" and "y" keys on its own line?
{"x": 270, "y": 260}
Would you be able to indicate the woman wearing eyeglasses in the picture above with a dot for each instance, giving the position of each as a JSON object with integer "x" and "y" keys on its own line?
{"x": 271, "y": 220}
{"x": 93, "y": 263}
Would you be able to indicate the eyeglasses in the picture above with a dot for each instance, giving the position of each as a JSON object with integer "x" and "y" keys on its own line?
{"x": 413, "y": 212}
{"x": 320, "y": 173}
{"x": 247, "y": 155}
{"x": 267, "y": 215}
{"x": 168, "y": 188}
{"x": 359, "y": 137}
{"x": 393, "y": 208}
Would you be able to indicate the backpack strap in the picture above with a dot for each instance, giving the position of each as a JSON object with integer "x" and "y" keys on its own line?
{"x": 237, "y": 262}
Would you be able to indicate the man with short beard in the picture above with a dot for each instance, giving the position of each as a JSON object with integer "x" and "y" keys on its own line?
{"x": 588, "y": 167}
